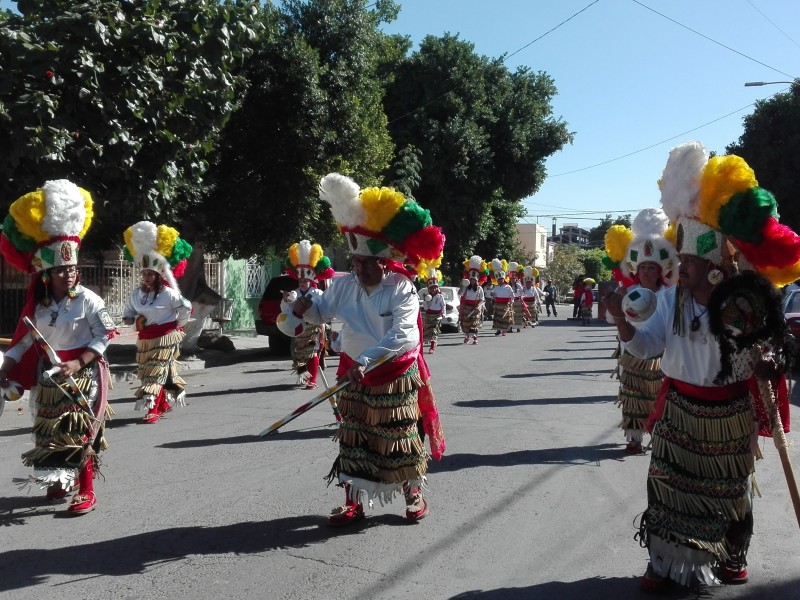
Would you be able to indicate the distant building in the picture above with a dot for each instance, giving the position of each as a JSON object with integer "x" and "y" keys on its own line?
{"x": 533, "y": 240}
{"x": 570, "y": 234}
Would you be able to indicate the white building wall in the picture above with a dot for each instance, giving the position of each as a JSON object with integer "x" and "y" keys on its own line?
{"x": 533, "y": 238}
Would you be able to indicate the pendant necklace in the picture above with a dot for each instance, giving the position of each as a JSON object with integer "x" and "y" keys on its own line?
{"x": 54, "y": 313}
{"x": 695, "y": 325}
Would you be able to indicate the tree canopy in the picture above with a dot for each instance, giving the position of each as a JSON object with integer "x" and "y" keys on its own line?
{"x": 124, "y": 98}
{"x": 483, "y": 134}
{"x": 771, "y": 144}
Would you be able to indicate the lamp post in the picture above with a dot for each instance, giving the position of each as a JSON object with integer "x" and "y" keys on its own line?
{"x": 760, "y": 83}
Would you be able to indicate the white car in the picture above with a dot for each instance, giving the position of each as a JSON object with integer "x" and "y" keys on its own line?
{"x": 452, "y": 301}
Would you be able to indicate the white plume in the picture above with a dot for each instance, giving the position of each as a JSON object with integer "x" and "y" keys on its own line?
{"x": 65, "y": 210}
{"x": 513, "y": 267}
{"x": 475, "y": 262}
{"x": 497, "y": 265}
{"x": 650, "y": 223}
{"x": 143, "y": 237}
{"x": 342, "y": 193}
{"x": 680, "y": 182}
{"x": 304, "y": 252}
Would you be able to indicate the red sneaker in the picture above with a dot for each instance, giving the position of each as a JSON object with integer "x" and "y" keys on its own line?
{"x": 82, "y": 503}
{"x": 416, "y": 507}
{"x": 653, "y": 583}
{"x": 342, "y": 516}
{"x": 151, "y": 418}
{"x": 733, "y": 574}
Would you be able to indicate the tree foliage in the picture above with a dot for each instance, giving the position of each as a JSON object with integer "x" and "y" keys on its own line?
{"x": 597, "y": 235}
{"x": 771, "y": 144}
{"x": 313, "y": 106}
{"x": 125, "y": 98}
{"x": 483, "y": 133}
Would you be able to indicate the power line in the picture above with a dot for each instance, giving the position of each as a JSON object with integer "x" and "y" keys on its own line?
{"x": 442, "y": 95}
{"x": 712, "y": 39}
{"x": 773, "y": 24}
{"x": 669, "y": 139}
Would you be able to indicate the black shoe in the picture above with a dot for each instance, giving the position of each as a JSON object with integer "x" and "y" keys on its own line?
{"x": 497, "y": 332}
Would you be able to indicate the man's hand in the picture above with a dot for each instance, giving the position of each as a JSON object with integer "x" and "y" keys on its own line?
{"x": 356, "y": 373}
{"x": 301, "y": 305}
{"x": 614, "y": 304}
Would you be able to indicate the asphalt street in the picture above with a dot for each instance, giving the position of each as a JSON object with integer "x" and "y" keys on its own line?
{"x": 534, "y": 497}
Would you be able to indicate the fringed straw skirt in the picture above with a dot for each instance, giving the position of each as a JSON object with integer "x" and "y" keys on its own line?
{"x": 65, "y": 435}
{"x": 431, "y": 326}
{"x": 158, "y": 366}
{"x": 380, "y": 446}
{"x": 304, "y": 346}
{"x": 503, "y": 316}
{"x": 471, "y": 318}
{"x": 699, "y": 486}
{"x": 519, "y": 312}
{"x": 639, "y": 382}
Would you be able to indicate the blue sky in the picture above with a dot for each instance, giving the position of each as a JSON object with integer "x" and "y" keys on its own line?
{"x": 632, "y": 83}
{"x": 628, "y": 79}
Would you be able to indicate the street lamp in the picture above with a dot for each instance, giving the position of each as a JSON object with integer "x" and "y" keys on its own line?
{"x": 760, "y": 83}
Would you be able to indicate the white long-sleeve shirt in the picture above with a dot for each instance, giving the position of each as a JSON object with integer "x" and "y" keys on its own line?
{"x": 693, "y": 357}
{"x": 375, "y": 324}
{"x": 164, "y": 307}
{"x": 80, "y": 322}
{"x": 435, "y": 303}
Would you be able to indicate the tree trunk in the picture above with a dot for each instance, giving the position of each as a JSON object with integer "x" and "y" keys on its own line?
{"x": 195, "y": 289}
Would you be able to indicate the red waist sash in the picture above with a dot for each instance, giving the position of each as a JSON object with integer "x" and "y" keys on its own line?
{"x": 151, "y": 332}
{"x": 502, "y": 300}
{"x": 433, "y": 312}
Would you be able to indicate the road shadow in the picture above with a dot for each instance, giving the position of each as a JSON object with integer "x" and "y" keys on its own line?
{"x": 596, "y": 588}
{"x": 570, "y": 455}
{"x": 505, "y": 403}
{"x": 318, "y": 433}
{"x": 555, "y": 373}
{"x": 278, "y": 387}
{"x": 117, "y": 423}
{"x": 134, "y": 554}
{"x": 249, "y": 371}
{"x": 16, "y": 510}
{"x": 16, "y": 431}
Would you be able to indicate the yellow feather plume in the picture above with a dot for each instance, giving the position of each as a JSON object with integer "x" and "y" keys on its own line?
{"x": 380, "y": 206}
{"x": 28, "y": 212}
{"x": 723, "y": 176}
{"x": 89, "y": 207}
{"x": 618, "y": 238}
{"x": 315, "y": 254}
{"x": 128, "y": 237}
{"x": 294, "y": 253}
{"x": 165, "y": 240}
{"x": 781, "y": 276}
{"x": 671, "y": 234}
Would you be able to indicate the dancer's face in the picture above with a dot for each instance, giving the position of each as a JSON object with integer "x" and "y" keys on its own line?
{"x": 63, "y": 279}
{"x": 369, "y": 269}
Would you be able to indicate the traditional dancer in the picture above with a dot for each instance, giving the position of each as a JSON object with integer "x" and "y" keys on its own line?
{"x": 472, "y": 298}
{"x": 434, "y": 306}
{"x": 308, "y": 264}
{"x": 381, "y": 452}
{"x": 586, "y": 301}
{"x": 502, "y": 298}
{"x": 514, "y": 277}
{"x": 42, "y": 234}
{"x": 531, "y": 297}
{"x": 699, "y": 518}
{"x": 642, "y": 256}
{"x": 159, "y": 312}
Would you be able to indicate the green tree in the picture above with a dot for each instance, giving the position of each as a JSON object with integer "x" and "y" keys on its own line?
{"x": 313, "y": 106}
{"x": 771, "y": 144}
{"x": 592, "y": 261}
{"x": 483, "y": 133}
{"x": 565, "y": 265}
{"x": 597, "y": 235}
{"x": 126, "y": 99}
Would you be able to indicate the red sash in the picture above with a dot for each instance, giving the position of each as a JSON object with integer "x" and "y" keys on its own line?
{"x": 502, "y": 300}
{"x": 151, "y": 332}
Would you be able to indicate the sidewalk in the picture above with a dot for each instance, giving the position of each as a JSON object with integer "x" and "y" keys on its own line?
{"x": 121, "y": 354}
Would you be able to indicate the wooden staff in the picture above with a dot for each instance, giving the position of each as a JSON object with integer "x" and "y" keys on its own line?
{"x": 778, "y": 435}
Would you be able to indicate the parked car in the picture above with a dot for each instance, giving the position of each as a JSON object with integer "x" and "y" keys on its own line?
{"x": 791, "y": 311}
{"x": 450, "y": 322}
{"x": 270, "y": 307}
{"x": 268, "y": 310}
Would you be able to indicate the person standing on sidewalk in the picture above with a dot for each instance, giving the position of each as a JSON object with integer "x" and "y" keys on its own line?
{"x": 642, "y": 256}
{"x": 699, "y": 517}
{"x": 381, "y": 451}
{"x": 159, "y": 313}
{"x": 434, "y": 306}
{"x": 308, "y": 264}
{"x": 550, "y": 297}
{"x": 472, "y": 295}
{"x": 42, "y": 235}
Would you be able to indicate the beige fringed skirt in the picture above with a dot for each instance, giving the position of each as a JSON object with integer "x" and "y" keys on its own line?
{"x": 639, "y": 382}
{"x": 380, "y": 446}
{"x": 158, "y": 365}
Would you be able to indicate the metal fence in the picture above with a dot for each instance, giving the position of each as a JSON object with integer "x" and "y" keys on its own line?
{"x": 112, "y": 279}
